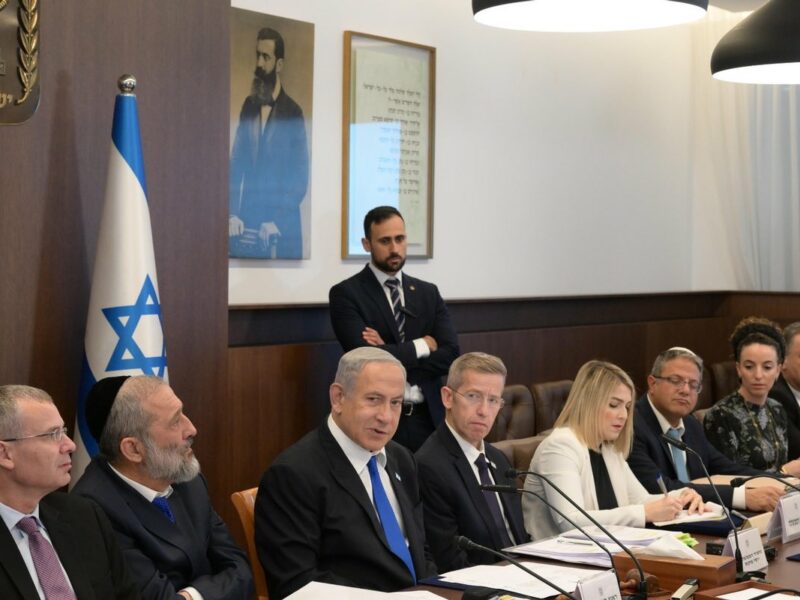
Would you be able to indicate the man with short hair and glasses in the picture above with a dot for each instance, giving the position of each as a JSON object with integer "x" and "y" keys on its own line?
{"x": 455, "y": 461}
{"x": 674, "y": 383}
{"x": 53, "y": 545}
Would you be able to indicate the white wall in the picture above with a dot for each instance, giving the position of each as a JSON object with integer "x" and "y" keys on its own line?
{"x": 563, "y": 162}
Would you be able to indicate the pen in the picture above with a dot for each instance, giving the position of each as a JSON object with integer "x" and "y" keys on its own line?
{"x": 661, "y": 486}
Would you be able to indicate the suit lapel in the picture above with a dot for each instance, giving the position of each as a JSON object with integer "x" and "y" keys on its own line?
{"x": 411, "y": 298}
{"x": 467, "y": 476}
{"x": 374, "y": 291}
{"x": 11, "y": 562}
{"x": 512, "y": 511}
{"x": 406, "y": 510}
{"x": 62, "y": 533}
{"x": 344, "y": 474}
{"x": 651, "y": 420}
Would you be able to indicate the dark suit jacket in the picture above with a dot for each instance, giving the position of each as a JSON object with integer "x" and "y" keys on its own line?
{"x": 269, "y": 170}
{"x": 163, "y": 557}
{"x": 455, "y": 505}
{"x": 651, "y": 455}
{"x": 86, "y": 546}
{"x": 781, "y": 392}
{"x": 315, "y": 521}
{"x": 359, "y": 302}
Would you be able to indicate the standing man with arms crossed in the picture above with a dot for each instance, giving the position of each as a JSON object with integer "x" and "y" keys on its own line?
{"x": 382, "y": 306}
{"x": 342, "y": 505}
{"x": 455, "y": 461}
{"x": 52, "y": 545}
{"x": 672, "y": 389}
{"x": 147, "y": 480}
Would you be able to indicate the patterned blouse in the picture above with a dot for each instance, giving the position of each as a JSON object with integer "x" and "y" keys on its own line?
{"x": 748, "y": 434}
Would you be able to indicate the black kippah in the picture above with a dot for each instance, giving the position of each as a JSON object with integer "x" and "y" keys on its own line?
{"x": 99, "y": 402}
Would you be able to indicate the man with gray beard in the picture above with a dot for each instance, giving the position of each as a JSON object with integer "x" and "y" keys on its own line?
{"x": 148, "y": 482}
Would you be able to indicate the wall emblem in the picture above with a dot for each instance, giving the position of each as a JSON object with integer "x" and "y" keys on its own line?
{"x": 19, "y": 59}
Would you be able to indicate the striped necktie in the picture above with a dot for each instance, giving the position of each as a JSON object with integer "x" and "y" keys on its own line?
{"x": 399, "y": 316}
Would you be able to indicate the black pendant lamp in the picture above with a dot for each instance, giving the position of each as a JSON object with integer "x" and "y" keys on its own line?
{"x": 586, "y": 15}
{"x": 763, "y": 48}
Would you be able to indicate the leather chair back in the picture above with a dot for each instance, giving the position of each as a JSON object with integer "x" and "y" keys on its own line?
{"x": 516, "y": 418}
{"x": 244, "y": 502}
{"x": 519, "y": 452}
{"x": 726, "y": 380}
{"x": 548, "y": 400}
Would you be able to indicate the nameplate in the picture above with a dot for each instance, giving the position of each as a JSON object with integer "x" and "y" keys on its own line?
{"x": 603, "y": 586}
{"x": 19, "y": 59}
{"x": 785, "y": 522}
{"x": 751, "y": 547}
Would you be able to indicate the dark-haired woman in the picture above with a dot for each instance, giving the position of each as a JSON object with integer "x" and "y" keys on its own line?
{"x": 748, "y": 426}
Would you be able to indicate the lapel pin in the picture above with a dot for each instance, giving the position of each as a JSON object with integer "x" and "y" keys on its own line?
{"x": 412, "y": 288}
{"x": 397, "y": 476}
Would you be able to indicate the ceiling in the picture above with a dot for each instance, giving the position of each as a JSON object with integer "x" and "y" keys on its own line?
{"x": 737, "y": 5}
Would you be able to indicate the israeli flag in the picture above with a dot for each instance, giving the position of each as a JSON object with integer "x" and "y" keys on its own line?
{"x": 124, "y": 334}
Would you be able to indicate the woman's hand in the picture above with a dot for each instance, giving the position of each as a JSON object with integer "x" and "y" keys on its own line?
{"x": 664, "y": 509}
{"x": 691, "y": 501}
{"x": 792, "y": 468}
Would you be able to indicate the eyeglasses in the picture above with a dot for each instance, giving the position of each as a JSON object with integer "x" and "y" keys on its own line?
{"x": 679, "y": 382}
{"x": 56, "y": 435}
{"x": 476, "y": 398}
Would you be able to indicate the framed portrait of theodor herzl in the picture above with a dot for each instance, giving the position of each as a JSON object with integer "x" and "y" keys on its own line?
{"x": 272, "y": 73}
{"x": 387, "y": 137}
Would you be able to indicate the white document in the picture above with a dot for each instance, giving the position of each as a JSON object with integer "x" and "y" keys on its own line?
{"x": 630, "y": 536}
{"x": 748, "y": 593}
{"x": 753, "y": 556}
{"x": 669, "y": 547}
{"x": 713, "y": 512}
{"x": 517, "y": 581}
{"x": 316, "y": 590}
{"x": 572, "y": 551}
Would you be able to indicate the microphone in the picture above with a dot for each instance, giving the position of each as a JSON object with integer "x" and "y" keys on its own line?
{"x": 510, "y": 489}
{"x": 738, "y": 481}
{"x": 467, "y": 544}
{"x": 641, "y": 592}
{"x": 737, "y": 554}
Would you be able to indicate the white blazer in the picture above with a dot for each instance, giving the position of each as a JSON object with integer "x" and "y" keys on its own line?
{"x": 564, "y": 459}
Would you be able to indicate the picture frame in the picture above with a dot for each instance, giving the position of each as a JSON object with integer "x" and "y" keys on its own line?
{"x": 388, "y": 124}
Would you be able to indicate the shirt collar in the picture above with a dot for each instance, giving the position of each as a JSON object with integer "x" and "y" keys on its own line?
{"x": 149, "y": 494}
{"x": 382, "y": 277}
{"x": 662, "y": 420}
{"x": 11, "y": 517}
{"x": 358, "y": 456}
{"x": 470, "y": 451}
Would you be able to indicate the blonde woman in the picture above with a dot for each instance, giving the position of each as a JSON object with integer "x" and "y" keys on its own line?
{"x": 585, "y": 457}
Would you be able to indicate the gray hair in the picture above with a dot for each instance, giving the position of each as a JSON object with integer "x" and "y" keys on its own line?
{"x": 480, "y": 362}
{"x": 792, "y": 329}
{"x": 352, "y": 363}
{"x": 127, "y": 417}
{"x": 10, "y": 395}
{"x": 673, "y": 353}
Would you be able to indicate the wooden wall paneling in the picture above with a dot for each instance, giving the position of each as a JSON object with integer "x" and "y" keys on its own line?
{"x": 52, "y": 187}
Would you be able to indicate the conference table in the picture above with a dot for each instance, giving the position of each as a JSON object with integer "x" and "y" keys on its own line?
{"x": 780, "y": 571}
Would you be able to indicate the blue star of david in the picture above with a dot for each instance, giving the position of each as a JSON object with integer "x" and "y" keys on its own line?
{"x": 124, "y": 320}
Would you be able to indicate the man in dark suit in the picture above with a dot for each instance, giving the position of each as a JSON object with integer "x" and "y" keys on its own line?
{"x": 148, "y": 482}
{"x": 786, "y": 389}
{"x": 269, "y": 163}
{"x": 51, "y": 544}
{"x": 673, "y": 386}
{"x": 342, "y": 505}
{"x": 382, "y": 306}
{"x": 455, "y": 461}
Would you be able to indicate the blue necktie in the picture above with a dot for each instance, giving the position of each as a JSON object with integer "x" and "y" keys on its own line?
{"x": 399, "y": 317}
{"x": 161, "y": 503}
{"x": 391, "y": 528}
{"x": 678, "y": 457}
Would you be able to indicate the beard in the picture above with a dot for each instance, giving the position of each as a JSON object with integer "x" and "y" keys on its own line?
{"x": 263, "y": 85}
{"x": 170, "y": 463}
{"x": 387, "y": 267}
